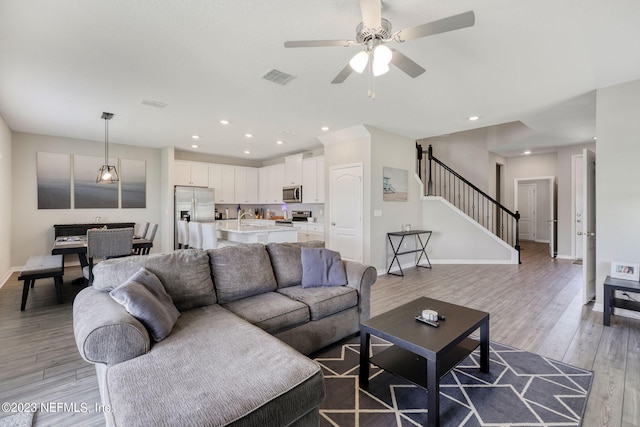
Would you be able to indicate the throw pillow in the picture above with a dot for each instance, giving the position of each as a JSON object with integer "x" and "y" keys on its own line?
{"x": 145, "y": 298}
{"x": 322, "y": 267}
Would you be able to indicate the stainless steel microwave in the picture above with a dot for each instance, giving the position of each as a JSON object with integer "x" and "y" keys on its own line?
{"x": 292, "y": 194}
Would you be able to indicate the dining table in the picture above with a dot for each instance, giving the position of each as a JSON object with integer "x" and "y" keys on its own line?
{"x": 78, "y": 245}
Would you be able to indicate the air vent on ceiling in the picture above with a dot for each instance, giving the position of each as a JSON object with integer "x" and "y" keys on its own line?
{"x": 278, "y": 76}
{"x": 152, "y": 103}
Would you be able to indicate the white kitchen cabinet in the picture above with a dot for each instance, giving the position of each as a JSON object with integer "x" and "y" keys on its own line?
{"x": 293, "y": 170}
{"x": 191, "y": 174}
{"x": 222, "y": 180}
{"x": 246, "y": 183}
{"x": 313, "y": 180}
{"x": 271, "y": 182}
{"x": 309, "y": 231}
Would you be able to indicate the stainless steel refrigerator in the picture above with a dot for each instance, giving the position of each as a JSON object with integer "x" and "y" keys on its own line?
{"x": 193, "y": 204}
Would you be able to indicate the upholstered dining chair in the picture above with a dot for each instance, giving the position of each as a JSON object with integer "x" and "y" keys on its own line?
{"x": 142, "y": 230}
{"x": 209, "y": 239}
{"x": 105, "y": 244}
{"x": 195, "y": 235}
{"x": 183, "y": 234}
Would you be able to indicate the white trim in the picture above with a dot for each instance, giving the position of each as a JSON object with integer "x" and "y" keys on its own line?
{"x": 542, "y": 241}
{"x": 472, "y": 261}
{"x": 573, "y": 196}
{"x": 565, "y": 257}
{"x": 599, "y": 307}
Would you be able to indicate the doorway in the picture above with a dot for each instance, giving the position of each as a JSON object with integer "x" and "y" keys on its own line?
{"x": 543, "y": 223}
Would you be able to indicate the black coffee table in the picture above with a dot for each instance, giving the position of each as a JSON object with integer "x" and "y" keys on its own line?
{"x": 421, "y": 353}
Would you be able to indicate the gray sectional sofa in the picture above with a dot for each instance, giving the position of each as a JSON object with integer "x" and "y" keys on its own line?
{"x": 235, "y": 356}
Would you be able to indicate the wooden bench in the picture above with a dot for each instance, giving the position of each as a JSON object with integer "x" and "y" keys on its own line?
{"x": 41, "y": 267}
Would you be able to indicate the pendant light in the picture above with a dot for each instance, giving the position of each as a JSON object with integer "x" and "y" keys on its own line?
{"x": 107, "y": 174}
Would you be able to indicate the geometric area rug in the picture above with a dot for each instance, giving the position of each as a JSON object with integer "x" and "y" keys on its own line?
{"x": 521, "y": 389}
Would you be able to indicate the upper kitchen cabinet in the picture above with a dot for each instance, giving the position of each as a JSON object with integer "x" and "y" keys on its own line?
{"x": 313, "y": 180}
{"x": 271, "y": 182}
{"x": 246, "y": 185}
{"x": 222, "y": 179}
{"x": 293, "y": 170}
{"x": 191, "y": 173}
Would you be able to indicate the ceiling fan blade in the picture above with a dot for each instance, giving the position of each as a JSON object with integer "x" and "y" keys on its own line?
{"x": 342, "y": 75}
{"x": 405, "y": 64}
{"x": 371, "y": 13}
{"x": 319, "y": 43}
{"x": 451, "y": 23}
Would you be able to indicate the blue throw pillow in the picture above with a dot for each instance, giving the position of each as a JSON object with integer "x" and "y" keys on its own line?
{"x": 322, "y": 267}
{"x": 145, "y": 298}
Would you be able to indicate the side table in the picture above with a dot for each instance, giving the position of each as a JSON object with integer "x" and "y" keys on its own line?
{"x": 420, "y": 248}
{"x": 610, "y": 301}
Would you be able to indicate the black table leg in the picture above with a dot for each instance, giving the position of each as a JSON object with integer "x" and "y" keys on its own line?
{"x": 484, "y": 346}
{"x": 433, "y": 386}
{"x": 606, "y": 319}
{"x": 365, "y": 340}
{"x": 395, "y": 256}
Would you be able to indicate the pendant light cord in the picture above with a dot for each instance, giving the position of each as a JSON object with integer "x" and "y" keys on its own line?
{"x": 106, "y": 141}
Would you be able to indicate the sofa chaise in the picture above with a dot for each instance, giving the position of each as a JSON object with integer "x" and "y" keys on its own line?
{"x": 236, "y": 354}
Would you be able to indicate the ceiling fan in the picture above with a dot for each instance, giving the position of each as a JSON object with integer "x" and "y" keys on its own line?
{"x": 374, "y": 32}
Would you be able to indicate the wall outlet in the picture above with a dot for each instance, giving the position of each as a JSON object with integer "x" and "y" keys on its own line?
{"x": 377, "y": 212}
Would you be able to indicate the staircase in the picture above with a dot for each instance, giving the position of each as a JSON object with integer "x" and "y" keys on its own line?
{"x": 440, "y": 180}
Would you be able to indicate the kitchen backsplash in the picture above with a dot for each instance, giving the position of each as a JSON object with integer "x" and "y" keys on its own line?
{"x": 317, "y": 209}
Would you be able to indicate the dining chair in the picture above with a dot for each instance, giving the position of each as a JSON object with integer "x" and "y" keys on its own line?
{"x": 209, "y": 238}
{"x": 142, "y": 230}
{"x": 105, "y": 244}
{"x": 150, "y": 236}
{"x": 183, "y": 234}
{"x": 195, "y": 235}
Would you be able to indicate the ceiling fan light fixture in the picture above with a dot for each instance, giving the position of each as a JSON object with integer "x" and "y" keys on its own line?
{"x": 382, "y": 54}
{"x": 379, "y": 68}
{"x": 359, "y": 61}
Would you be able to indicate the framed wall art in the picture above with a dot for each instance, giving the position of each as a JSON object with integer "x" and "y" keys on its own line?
{"x": 625, "y": 270}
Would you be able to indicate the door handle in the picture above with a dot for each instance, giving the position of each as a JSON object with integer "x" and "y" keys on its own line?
{"x": 579, "y": 233}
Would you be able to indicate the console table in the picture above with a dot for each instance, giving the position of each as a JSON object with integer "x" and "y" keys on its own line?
{"x": 610, "y": 301}
{"x": 420, "y": 248}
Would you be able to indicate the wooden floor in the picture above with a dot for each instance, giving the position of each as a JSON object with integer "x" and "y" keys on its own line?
{"x": 535, "y": 306}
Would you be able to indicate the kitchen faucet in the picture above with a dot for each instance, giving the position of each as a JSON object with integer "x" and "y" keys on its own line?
{"x": 240, "y": 216}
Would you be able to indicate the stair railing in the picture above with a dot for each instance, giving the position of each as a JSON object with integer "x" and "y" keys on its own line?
{"x": 445, "y": 182}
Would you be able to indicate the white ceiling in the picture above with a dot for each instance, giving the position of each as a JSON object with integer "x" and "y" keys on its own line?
{"x": 538, "y": 62}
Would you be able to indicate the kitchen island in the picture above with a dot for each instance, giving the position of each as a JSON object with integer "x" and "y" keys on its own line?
{"x": 255, "y": 232}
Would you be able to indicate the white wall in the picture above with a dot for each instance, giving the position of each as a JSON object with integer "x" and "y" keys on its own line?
{"x": 617, "y": 177}
{"x": 349, "y": 146}
{"x": 391, "y": 150}
{"x": 5, "y": 198}
{"x": 33, "y": 228}
{"x": 457, "y": 239}
{"x": 466, "y": 153}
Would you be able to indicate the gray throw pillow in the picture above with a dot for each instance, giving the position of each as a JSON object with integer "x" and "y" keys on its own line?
{"x": 145, "y": 298}
{"x": 322, "y": 267}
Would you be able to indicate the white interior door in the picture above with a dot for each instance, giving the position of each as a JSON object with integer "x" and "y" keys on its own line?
{"x": 578, "y": 205}
{"x": 345, "y": 217}
{"x": 589, "y": 226}
{"x": 527, "y": 208}
{"x": 552, "y": 218}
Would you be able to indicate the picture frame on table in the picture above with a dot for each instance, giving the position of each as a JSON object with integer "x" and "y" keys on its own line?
{"x": 625, "y": 270}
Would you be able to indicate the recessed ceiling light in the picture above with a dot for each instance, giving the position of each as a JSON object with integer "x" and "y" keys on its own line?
{"x": 195, "y": 136}
{"x": 324, "y": 128}
{"x": 279, "y": 142}
{"x": 527, "y": 152}
{"x": 248, "y": 135}
{"x": 473, "y": 118}
{"x": 194, "y": 145}
{"x": 224, "y": 122}
{"x": 247, "y": 152}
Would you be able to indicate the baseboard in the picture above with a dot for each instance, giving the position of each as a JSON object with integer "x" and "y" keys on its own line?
{"x": 565, "y": 257}
{"x": 8, "y": 275}
{"x": 598, "y": 306}
{"x": 472, "y": 261}
{"x": 541, "y": 241}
